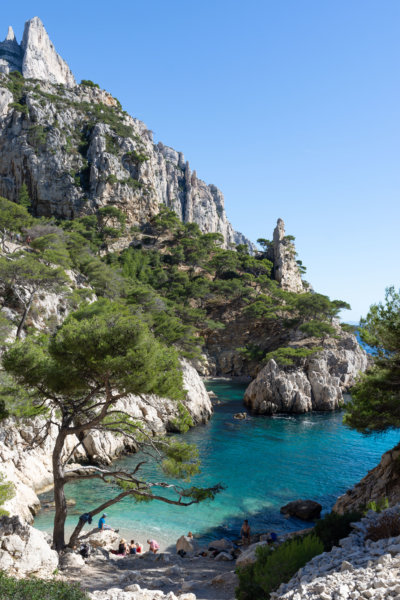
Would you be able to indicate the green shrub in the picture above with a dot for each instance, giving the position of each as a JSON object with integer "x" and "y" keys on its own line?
{"x": 6, "y": 491}
{"x": 22, "y": 108}
{"x": 275, "y": 566}
{"x": 112, "y": 146}
{"x": 37, "y": 136}
{"x": 113, "y": 179}
{"x": 378, "y": 505}
{"x": 289, "y": 356}
{"x": 333, "y": 527}
{"x": 38, "y": 589}
{"x": 89, "y": 83}
{"x": 317, "y": 328}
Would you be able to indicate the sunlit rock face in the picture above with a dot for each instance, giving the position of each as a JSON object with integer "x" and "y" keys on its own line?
{"x": 35, "y": 57}
{"x": 111, "y": 177}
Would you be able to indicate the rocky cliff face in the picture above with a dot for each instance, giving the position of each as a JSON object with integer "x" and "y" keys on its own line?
{"x": 77, "y": 150}
{"x": 35, "y": 57}
{"x": 316, "y": 383}
{"x": 283, "y": 256}
{"x": 381, "y": 482}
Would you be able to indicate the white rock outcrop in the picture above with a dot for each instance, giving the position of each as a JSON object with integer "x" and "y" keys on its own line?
{"x": 286, "y": 270}
{"x": 358, "y": 569}
{"x": 24, "y": 550}
{"x": 35, "y": 57}
{"x": 317, "y": 383}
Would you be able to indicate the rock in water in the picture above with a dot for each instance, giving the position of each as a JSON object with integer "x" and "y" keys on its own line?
{"x": 307, "y": 510}
{"x": 40, "y": 59}
{"x": 316, "y": 383}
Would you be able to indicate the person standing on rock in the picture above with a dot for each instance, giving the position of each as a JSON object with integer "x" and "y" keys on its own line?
{"x": 102, "y": 524}
{"x": 245, "y": 532}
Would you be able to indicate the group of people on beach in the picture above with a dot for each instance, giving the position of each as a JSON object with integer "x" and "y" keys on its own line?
{"x": 136, "y": 548}
{"x": 123, "y": 547}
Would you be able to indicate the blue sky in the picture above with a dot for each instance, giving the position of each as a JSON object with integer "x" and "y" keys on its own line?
{"x": 290, "y": 107}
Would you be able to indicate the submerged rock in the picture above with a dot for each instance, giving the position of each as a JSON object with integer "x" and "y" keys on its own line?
{"x": 307, "y": 510}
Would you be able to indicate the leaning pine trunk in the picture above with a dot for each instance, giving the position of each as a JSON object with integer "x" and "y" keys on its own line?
{"x": 25, "y": 314}
{"x": 59, "y": 495}
{"x": 99, "y": 509}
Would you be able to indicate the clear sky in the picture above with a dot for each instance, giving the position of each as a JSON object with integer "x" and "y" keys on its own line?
{"x": 290, "y": 107}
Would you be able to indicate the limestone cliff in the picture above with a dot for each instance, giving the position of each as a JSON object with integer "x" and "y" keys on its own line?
{"x": 383, "y": 481}
{"x": 283, "y": 255}
{"x": 35, "y": 57}
{"x": 77, "y": 150}
{"x": 315, "y": 383}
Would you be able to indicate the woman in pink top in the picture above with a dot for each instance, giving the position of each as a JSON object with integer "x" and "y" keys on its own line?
{"x": 153, "y": 546}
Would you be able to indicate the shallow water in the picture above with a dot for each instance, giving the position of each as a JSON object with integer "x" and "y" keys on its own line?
{"x": 263, "y": 462}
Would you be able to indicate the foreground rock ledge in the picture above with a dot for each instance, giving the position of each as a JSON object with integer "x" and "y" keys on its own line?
{"x": 25, "y": 550}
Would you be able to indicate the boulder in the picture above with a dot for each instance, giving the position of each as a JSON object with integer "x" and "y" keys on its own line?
{"x": 70, "y": 560}
{"x": 249, "y": 556}
{"x": 228, "y": 579}
{"x": 101, "y": 538}
{"x": 307, "y": 510}
{"x": 221, "y": 545}
{"x": 24, "y": 550}
{"x": 186, "y": 544}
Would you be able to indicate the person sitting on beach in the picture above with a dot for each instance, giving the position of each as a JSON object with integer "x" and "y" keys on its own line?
{"x": 132, "y": 547}
{"x": 245, "y": 532}
{"x": 102, "y": 524}
{"x": 190, "y": 535}
{"x": 123, "y": 547}
{"x": 153, "y": 546}
{"x": 138, "y": 548}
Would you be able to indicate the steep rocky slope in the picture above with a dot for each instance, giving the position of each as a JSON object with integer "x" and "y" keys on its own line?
{"x": 383, "y": 481}
{"x": 77, "y": 150}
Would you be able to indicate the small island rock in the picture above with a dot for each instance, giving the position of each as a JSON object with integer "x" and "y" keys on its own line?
{"x": 307, "y": 510}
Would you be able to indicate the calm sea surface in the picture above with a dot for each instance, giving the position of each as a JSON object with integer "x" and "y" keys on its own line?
{"x": 263, "y": 462}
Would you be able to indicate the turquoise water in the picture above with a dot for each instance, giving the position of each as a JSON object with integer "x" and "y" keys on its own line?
{"x": 264, "y": 462}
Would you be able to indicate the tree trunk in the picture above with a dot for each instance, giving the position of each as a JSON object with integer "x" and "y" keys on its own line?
{"x": 24, "y": 315}
{"x": 75, "y": 534}
{"x": 59, "y": 495}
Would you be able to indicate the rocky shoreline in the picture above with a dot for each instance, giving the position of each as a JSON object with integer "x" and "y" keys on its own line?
{"x": 30, "y": 469}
